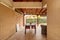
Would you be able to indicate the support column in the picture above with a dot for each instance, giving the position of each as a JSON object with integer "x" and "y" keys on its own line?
{"x": 37, "y": 19}
{"x": 23, "y": 19}
{"x": 53, "y": 21}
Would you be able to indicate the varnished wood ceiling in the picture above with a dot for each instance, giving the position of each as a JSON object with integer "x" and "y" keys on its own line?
{"x": 33, "y": 11}
{"x": 27, "y": 0}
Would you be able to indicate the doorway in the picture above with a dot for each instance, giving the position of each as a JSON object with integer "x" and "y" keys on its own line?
{"x": 37, "y": 17}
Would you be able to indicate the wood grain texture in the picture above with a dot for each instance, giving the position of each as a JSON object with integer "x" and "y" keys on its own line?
{"x": 30, "y": 35}
{"x": 33, "y": 11}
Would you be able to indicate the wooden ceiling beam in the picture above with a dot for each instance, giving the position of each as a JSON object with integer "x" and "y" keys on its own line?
{"x": 33, "y": 11}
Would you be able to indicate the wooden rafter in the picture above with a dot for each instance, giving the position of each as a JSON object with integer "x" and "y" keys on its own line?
{"x": 35, "y": 11}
